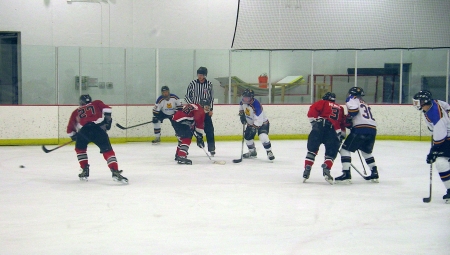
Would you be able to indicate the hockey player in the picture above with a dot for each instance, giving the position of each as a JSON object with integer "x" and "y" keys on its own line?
{"x": 436, "y": 117}
{"x": 363, "y": 130}
{"x": 165, "y": 108}
{"x": 198, "y": 90}
{"x": 251, "y": 113}
{"x": 328, "y": 127}
{"x": 89, "y": 123}
{"x": 187, "y": 122}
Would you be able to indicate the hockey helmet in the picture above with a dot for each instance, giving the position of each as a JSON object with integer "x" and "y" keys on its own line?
{"x": 422, "y": 98}
{"x": 329, "y": 96}
{"x": 205, "y": 104}
{"x": 202, "y": 70}
{"x": 356, "y": 91}
{"x": 247, "y": 96}
{"x": 85, "y": 99}
{"x": 164, "y": 88}
{"x": 165, "y": 91}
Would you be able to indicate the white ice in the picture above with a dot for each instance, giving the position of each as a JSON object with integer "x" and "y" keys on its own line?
{"x": 253, "y": 207}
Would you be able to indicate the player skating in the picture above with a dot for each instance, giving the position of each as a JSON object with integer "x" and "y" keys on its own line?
{"x": 165, "y": 107}
{"x": 363, "y": 130}
{"x": 328, "y": 128}
{"x": 187, "y": 121}
{"x": 89, "y": 123}
{"x": 251, "y": 114}
{"x": 436, "y": 117}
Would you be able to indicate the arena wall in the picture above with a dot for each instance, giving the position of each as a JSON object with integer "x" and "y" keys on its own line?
{"x": 27, "y": 125}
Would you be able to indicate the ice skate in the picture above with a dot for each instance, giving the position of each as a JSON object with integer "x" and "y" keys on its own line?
{"x": 84, "y": 173}
{"x": 446, "y": 197}
{"x": 250, "y": 154}
{"x": 326, "y": 174}
{"x": 176, "y": 157}
{"x": 306, "y": 173}
{"x": 117, "y": 177}
{"x": 212, "y": 153}
{"x": 345, "y": 178}
{"x": 156, "y": 141}
{"x": 374, "y": 175}
{"x": 270, "y": 156}
{"x": 184, "y": 161}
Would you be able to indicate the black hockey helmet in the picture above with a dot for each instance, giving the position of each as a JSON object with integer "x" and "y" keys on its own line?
{"x": 248, "y": 93}
{"x": 422, "y": 98}
{"x": 330, "y": 96}
{"x": 356, "y": 91}
{"x": 202, "y": 70}
{"x": 85, "y": 99}
{"x": 164, "y": 88}
{"x": 205, "y": 104}
{"x": 247, "y": 96}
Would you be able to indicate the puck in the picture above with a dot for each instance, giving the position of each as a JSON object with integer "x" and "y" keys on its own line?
{"x": 22, "y": 166}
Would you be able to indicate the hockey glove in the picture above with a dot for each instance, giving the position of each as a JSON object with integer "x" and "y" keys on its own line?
{"x": 107, "y": 121}
{"x": 200, "y": 142}
{"x": 434, "y": 153}
{"x": 348, "y": 122}
{"x": 155, "y": 119}
{"x": 243, "y": 118}
{"x": 74, "y": 137}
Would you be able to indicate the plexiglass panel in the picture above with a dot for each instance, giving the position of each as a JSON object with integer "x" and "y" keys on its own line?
{"x": 246, "y": 68}
{"x": 428, "y": 71}
{"x": 331, "y": 73}
{"x": 289, "y": 75}
{"x": 38, "y": 75}
{"x": 141, "y": 76}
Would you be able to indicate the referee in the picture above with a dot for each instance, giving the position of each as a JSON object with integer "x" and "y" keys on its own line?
{"x": 197, "y": 90}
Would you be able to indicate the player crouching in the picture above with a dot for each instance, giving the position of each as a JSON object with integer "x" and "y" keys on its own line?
{"x": 188, "y": 121}
{"x": 251, "y": 113}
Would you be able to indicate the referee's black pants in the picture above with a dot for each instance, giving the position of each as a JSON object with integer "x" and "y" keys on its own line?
{"x": 209, "y": 131}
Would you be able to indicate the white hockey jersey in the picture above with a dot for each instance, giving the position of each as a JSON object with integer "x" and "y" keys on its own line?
{"x": 253, "y": 113}
{"x": 438, "y": 121}
{"x": 362, "y": 118}
{"x": 168, "y": 107}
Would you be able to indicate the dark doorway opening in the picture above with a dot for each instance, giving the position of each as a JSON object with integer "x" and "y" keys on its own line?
{"x": 10, "y": 67}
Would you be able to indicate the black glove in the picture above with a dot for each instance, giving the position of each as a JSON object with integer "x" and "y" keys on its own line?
{"x": 200, "y": 142}
{"x": 434, "y": 153}
{"x": 155, "y": 119}
{"x": 74, "y": 137}
{"x": 348, "y": 122}
{"x": 243, "y": 118}
{"x": 107, "y": 121}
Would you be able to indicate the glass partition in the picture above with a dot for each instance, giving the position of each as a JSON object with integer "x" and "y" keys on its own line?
{"x": 246, "y": 69}
{"x": 331, "y": 73}
{"x": 58, "y": 75}
{"x": 428, "y": 71}
{"x": 289, "y": 76}
{"x": 38, "y": 86}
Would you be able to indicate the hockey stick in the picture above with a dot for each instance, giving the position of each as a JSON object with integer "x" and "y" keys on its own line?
{"x": 428, "y": 199}
{"x": 362, "y": 163}
{"x": 122, "y": 127}
{"x": 62, "y": 145}
{"x": 242, "y": 147}
{"x": 219, "y": 162}
{"x": 367, "y": 178}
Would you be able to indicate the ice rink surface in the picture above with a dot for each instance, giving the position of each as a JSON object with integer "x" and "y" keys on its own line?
{"x": 253, "y": 207}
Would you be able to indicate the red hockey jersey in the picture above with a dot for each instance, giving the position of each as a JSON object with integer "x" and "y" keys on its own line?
{"x": 191, "y": 114}
{"x": 84, "y": 114}
{"x": 330, "y": 111}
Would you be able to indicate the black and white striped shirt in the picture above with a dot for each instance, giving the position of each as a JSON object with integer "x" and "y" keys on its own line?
{"x": 197, "y": 91}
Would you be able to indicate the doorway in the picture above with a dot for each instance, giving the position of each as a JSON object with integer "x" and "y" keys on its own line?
{"x": 10, "y": 68}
